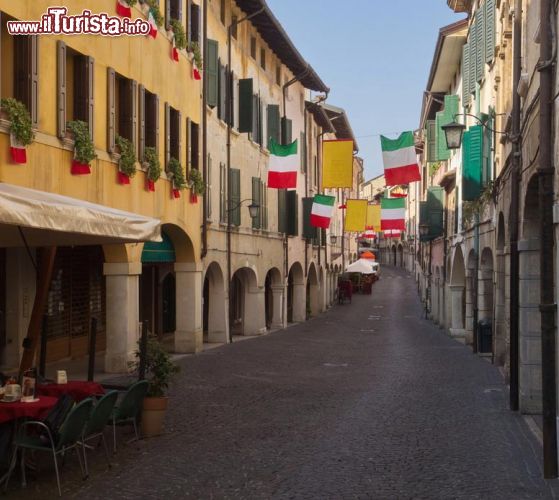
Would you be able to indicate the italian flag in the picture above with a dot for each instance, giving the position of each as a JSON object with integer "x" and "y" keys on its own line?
{"x": 400, "y": 160}
{"x": 123, "y": 9}
{"x": 284, "y": 164}
{"x": 321, "y": 211}
{"x": 392, "y": 234}
{"x": 153, "y": 25}
{"x": 174, "y": 50}
{"x": 196, "y": 73}
{"x": 18, "y": 151}
{"x": 393, "y": 214}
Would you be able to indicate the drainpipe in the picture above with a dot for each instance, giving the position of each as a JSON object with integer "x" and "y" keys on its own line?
{"x": 229, "y": 131}
{"x": 205, "y": 141}
{"x": 548, "y": 307}
{"x": 514, "y": 209}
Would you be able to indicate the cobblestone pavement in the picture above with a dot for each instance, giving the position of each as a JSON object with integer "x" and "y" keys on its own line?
{"x": 366, "y": 401}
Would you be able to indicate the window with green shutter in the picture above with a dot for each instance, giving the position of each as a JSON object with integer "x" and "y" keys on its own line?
{"x": 286, "y": 131}
{"x": 480, "y": 43}
{"x": 309, "y": 232}
{"x": 490, "y": 19}
{"x": 466, "y": 96}
{"x": 292, "y": 213}
{"x": 472, "y": 162}
{"x": 303, "y": 150}
{"x": 256, "y": 192}
{"x": 472, "y": 59}
{"x": 435, "y": 208}
{"x": 245, "y": 105}
{"x": 273, "y": 119}
{"x": 487, "y": 171}
{"x": 282, "y": 210}
{"x": 211, "y": 72}
{"x": 443, "y": 153}
{"x": 264, "y": 205}
{"x": 235, "y": 201}
{"x": 431, "y": 134}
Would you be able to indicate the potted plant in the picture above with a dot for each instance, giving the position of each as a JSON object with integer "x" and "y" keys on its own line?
{"x": 153, "y": 167}
{"x": 197, "y": 62}
{"x": 84, "y": 149}
{"x": 178, "y": 33}
{"x": 177, "y": 176}
{"x": 127, "y": 160}
{"x": 21, "y": 128}
{"x": 196, "y": 184}
{"x": 159, "y": 370}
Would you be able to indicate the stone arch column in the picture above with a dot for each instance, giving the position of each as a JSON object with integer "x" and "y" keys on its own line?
{"x": 314, "y": 291}
{"x": 470, "y": 298}
{"x": 457, "y": 295}
{"x": 277, "y": 289}
{"x": 296, "y": 294}
{"x": 502, "y": 338}
{"x": 216, "y": 308}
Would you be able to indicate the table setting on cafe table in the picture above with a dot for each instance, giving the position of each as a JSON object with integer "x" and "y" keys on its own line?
{"x": 31, "y": 398}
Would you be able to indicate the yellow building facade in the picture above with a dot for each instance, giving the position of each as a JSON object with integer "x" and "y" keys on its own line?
{"x": 128, "y": 86}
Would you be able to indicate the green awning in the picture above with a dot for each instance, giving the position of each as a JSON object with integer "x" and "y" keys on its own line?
{"x": 163, "y": 251}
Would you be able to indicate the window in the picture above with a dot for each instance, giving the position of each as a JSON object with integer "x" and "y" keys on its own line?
{"x": 149, "y": 121}
{"x": 222, "y": 192}
{"x": 222, "y": 111}
{"x": 263, "y": 58}
{"x": 273, "y": 122}
{"x": 20, "y": 58}
{"x": 194, "y": 23}
{"x": 256, "y": 198}
{"x": 303, "y": 151}
{"x": 122, "y": 108}
{"x": 172, "y": 133}
{"x": 173, "y": 10}
{"x": 75, "y": 95}
{"x": 208, "y": 197}
{"x": 253, "y": 47}
{"x": 257, "y": 128}
{"x": 278, "y": 74}
{"x": 234, "y": 26}
{"x": 264, "y": 205}
{"x": 193, "y": 141}
{"x": 222, "y": 11}
{"x": 211, "y": 75}
{"x": 245, "y": 105}
{"x": 235, "y": 201}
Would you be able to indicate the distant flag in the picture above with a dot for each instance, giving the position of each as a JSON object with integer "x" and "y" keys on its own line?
{"x": 321, "y": 211}
{"x": 400, "y": 160}
{"x": 196, "y": 71}
{"x": 392, "y": 233}
{"x": 153, "y": 25}
{"x": 284, "y": 165}
{"x": 123, "y": 9}
{"x": 393, "y": 214}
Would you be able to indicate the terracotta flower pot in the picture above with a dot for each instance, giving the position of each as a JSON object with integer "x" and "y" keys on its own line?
{"x": 153, "y": 415}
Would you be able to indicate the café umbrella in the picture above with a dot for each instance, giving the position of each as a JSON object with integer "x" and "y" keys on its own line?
{"x": 368, "y": 255}
{"x": 362, "y": 266}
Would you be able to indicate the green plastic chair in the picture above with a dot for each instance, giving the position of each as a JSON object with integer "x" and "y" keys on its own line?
{"x": 69, "y": 437}
{"x": 129, "y": 408}
{"x": 100, "y": 417}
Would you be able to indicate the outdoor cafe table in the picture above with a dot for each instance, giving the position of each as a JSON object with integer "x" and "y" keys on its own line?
{"x": 35, "y": 410}
{"x": 76, "y": 389}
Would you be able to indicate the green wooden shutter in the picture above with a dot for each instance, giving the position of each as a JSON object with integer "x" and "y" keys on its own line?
{"x": 466, "y": 75}
{"x": 309, "y": 232}
{"x": 443, "y": 153}
{"x": 487, "y": 156}
{"x": 211, "y": 72}
{"x": 423, "y": 218}
{"x": 256, "y": 182}
{"x": 472, "y": 162}
{"x": 431, "y": 130}
{"x": 235, "y": 209}
{"x": 480, "y": 43}
{"x": 490, "y": 18}
{"x": 435, "y": 207}
{"x": 245, "y": 105}
{"x": 451, "y": 107}
{"x": 273, "y": 119}
{"x": 303, "y": 150}
{"x": 472, "y": 58}
{"x": 282, "y": 210}
{"x": 287, "y": 127}
{"x": 292, "y": 213}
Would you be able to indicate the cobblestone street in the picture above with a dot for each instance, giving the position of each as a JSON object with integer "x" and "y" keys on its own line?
{"x": 367, "y": 401}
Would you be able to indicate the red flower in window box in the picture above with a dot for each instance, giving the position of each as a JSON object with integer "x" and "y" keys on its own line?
{"x": 80, "y": 168}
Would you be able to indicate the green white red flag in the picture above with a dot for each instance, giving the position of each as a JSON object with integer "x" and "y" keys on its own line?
{"x": 123, "y": 9}
{"x": 152, "y": 24}
{"x": 321, "y": 211}
{"x": 393, "y": 214}
{"x": 400, "y": 159}
{"x": 284, "y": 165}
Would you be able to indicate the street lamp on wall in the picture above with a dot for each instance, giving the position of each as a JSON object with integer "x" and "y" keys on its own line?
{"x": 253, "y": 208}
{"x": 423, "y": 229}
{"x": 453, "y": 133}
{"x": 333, "y": 239}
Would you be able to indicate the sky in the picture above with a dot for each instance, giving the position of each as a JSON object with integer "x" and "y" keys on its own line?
{"x": 375, "y": 55}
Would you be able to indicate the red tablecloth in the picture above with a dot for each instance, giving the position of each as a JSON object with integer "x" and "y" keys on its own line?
{"x": 76, "y": 389}
{"x": 35, "y": 410}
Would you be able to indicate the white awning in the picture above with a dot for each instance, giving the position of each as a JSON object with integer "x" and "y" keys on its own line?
{"x": 48, "y": 219}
